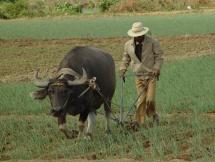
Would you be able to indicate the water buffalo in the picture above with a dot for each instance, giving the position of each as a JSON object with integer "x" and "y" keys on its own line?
{"x": 69, "y": 91}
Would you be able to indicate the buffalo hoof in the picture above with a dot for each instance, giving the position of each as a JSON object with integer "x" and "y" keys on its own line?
{"x": 88, "y": 136}
{"x": 71, "y": 134}
{"x": 80, "y": 135}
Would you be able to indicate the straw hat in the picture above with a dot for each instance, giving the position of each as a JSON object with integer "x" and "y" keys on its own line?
{"x": 138, "y": 30}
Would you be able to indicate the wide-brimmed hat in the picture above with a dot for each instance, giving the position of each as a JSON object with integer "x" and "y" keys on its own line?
{"x": 138, "y": 30}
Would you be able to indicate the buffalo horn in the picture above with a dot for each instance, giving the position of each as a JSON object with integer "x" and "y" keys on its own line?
{"x": 67, "y": 71}
{"x": 38, "y": 81}
{"x": 80, "y": 80}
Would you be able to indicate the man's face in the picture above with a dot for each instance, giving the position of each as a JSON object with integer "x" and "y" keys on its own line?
{"x": 139, "y": 39}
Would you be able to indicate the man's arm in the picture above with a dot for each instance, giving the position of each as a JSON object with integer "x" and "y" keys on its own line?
{"x": 125, "y": 60}
{"x": 158, "y": 53}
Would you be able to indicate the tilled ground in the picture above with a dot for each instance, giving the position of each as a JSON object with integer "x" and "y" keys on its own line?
{"x": 19, "y": 58}
{"x": 110, "y": 160}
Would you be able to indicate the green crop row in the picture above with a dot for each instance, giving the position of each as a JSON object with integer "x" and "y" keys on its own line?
{"x": 116, "y": 26}
{"x": 184, "y": 85}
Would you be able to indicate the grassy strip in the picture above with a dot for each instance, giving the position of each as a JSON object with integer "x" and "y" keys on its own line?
{"x": 105, "y": 26}
{"x": 184, "y": 85}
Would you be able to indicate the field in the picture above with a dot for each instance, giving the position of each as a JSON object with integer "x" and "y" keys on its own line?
{"x": 185, "y": 98}
{"x": 105, "y": 26}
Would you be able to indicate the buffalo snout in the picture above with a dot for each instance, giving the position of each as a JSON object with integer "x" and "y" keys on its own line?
{"x": 56, "y": 111}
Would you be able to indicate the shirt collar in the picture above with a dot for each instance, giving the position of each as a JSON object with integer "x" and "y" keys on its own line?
{"x": 145, "y": 40}
{"x": 137, "y": 43}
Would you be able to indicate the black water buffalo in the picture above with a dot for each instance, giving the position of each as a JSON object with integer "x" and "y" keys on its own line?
{"x": 69, "y": 91}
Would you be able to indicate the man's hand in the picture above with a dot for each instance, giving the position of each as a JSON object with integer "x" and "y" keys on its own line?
{"x": 156, "y": 73}
{"x": 122, "y": 74}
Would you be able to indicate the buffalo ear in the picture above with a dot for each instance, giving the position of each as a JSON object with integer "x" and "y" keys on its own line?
{"x": 40, "y": 94}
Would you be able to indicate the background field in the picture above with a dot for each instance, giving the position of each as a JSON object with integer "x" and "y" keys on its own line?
{"x": 185, "y": 97}
{"x": 110, "y": 26}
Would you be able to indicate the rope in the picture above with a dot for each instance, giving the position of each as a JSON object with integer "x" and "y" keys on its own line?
{"x": 99, "y": 92}
{"x": 112, "y": 118}
{"x": 93, "y": 85}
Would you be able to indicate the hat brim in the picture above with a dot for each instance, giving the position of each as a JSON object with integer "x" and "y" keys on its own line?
{"x": 137, "y": 34}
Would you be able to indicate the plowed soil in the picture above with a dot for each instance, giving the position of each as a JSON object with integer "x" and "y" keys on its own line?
{"x": 24, "y": 56}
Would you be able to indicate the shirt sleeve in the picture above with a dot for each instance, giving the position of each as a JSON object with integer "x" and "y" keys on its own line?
{"x": 125, "y": 59}
{"x": 158, "y": 55}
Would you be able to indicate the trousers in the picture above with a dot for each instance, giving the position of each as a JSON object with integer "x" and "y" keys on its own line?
{"x": 146, "y": 102}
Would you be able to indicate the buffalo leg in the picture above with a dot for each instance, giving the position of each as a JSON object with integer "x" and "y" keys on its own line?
{"x": 91, "y": 122}
{"x": 81, "y": 123}
{"x": 63, "y": 127}
{"x": 107, "y": 107}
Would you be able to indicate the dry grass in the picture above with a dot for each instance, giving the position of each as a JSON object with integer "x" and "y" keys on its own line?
{"x": 24, "y": 56}
{"x": 156, "y": 5}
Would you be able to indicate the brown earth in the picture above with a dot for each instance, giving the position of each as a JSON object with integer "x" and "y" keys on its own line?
{"x": 111, "y": 160}
{"x": 19, "y": 58}
{"x": 82, "y": 160}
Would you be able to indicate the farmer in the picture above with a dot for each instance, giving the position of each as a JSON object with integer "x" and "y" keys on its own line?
{"x": 145, "y": 56}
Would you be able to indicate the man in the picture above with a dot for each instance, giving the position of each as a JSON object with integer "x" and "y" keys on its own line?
{"x": 145, "y": 56}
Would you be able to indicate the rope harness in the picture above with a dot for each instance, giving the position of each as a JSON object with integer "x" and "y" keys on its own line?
{"x": 92, "y": 85}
